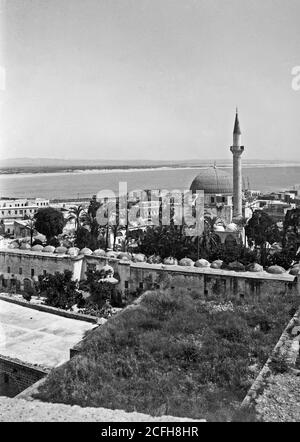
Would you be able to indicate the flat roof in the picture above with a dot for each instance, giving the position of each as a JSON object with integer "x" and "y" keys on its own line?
{"x": 38, "y": 338}
{"x": 287, "y": 277}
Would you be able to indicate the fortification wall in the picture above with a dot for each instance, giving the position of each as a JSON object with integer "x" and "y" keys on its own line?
{"x": 26, "y": 264}
{"x": 143, "y": 276}
{"x": 19, "y": 373}
{"x": 207, "y": 281}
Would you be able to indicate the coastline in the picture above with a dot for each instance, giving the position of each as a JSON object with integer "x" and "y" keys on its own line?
{"x": 105, "y": 170}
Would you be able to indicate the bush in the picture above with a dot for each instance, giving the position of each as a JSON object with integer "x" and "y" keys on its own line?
{"x": 173, "y": 354}
{"x": 283, "y": 259}
{"x": 59, "y": 290}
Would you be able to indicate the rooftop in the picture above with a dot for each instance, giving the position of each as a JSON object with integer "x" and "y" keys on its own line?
{"x": 37, "y": 337}
{"x": 213, "y": 181}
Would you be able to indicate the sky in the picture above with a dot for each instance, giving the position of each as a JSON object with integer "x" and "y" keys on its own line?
{"x": 148, "y": 79}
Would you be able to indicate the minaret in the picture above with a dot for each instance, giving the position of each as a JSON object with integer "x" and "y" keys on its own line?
{"x": 237, "y": 151}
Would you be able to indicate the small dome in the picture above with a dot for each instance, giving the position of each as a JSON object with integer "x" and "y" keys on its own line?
{"x": 202, "y": 263}
{"x": 186, "y": 262}
{"x": 254, "y": 267}
{"x": 213, "y": 180}
{"x": 99, "y": 252}
{"x": 139, "y": 257}
{"x": 61, "y": 250}
{"x": 276, "y": 270}
{"x": 37, "y": 248}
{"x": 13, "y": 245}
{"x": 124, "y": 255}
{"x": 217, "y": 264}
{"x": 219, "y": 228}
{"x": 295, "y": 270}
{"x": 170, "y": 261}
{"x": 108, "y": 268}
{"x": 112, "y": 280}
{"x": 154, "y": 259}
{"x": 73, "y": 251}
{"x": 49, "y": 249}
{"x": 231, "y": 227}
{"x": 25, "y": 246}
{"x": 125, "y": 258}
{"x": 236, "y": 266}
{"x": 86, "y": 251}
{"x": 111, "y": 254}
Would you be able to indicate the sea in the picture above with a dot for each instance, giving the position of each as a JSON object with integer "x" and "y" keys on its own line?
{"x": 84, "y": 184}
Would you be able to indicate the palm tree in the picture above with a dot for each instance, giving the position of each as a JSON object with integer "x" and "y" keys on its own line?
{"x": 30, "y": 225}
{"x": 209, "y": 240}
{"x": 75, "y": 213}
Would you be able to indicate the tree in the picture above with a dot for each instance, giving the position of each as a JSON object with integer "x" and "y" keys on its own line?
{"x": 167, "y": 241}
{"x": 209, "y": 240}
{"x": 59, "y": 290}
{"x": 84, "y": 238}
{"x": 261, "y": 230}
{"x": 102, "y": 291}
{"x": 75, "y": 213}
{"x": 30, "y": 224}
{"x": 291, "y": 230}
{"x": 50, "y": 222}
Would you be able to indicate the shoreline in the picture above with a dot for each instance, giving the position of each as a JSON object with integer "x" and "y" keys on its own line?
{"x": 80, "y": 171}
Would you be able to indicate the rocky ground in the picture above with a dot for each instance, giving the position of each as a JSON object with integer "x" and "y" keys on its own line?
{"x": 280, "y": 401}
{"x": 21, "y": 410}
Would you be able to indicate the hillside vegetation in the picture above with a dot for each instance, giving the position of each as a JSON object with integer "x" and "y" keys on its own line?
{"x": 174, "y": 354}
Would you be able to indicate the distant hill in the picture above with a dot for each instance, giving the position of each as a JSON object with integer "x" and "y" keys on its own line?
{"x": 98, "y": 163}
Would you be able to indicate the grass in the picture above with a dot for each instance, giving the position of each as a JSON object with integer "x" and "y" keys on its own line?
{"x": 174, "y": 354}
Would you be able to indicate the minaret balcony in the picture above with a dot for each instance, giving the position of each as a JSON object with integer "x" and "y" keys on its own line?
{"x": 237, "y": 149}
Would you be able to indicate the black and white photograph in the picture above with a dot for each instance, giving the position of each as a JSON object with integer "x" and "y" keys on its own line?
{"x": 149, "y": 215}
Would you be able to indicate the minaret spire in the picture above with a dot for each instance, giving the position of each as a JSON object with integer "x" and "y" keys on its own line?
{"x": 237, "y": 151}
{"x": 236, "y": 129}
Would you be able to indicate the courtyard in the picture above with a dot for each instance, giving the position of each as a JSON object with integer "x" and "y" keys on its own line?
{"x": 37, "y": 337}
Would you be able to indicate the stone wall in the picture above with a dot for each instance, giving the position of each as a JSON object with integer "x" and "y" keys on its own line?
{"x": 142, "y": 276}
{"x": 280, "y": 366}
{"x": 22, "y": 375}
{"x": 207, "y": 281}
{"x": 21, "y": 265}
{"x": 49, "y": 309}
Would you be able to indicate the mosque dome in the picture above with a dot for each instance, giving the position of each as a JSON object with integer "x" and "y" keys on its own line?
{"x": 213, "y": 180}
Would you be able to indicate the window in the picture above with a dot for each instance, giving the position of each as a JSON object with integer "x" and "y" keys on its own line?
{"x": 126, "y": 284}
{"x": 8, "y": 269}
{"x": 141, "y": 285}
{"x": 44, "y": 272}
{"x": 32, "y": 273}
{"x": 16, "y": 212}
{"x": 212, "y": 199}
{"x": 20, "y": 271}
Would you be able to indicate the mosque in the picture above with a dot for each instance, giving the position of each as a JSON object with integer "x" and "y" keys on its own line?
{"x": 223, "y": 194}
